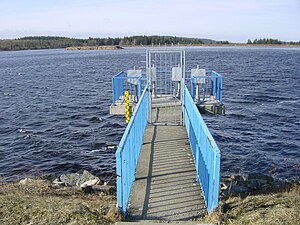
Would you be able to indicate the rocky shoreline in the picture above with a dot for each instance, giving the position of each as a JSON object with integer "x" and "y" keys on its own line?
{"x": 230, "y": 186}
{"x": 251, "y": 184}
{"x": 85, "y": 182}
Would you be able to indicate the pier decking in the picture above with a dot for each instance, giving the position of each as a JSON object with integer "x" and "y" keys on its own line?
{"x": 165, "y": 187}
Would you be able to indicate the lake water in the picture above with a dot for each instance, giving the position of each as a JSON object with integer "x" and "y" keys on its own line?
{"x": 54, "y": 110}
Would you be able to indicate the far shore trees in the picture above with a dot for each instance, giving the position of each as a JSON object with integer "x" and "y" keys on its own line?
{"x": 52, "y": 42}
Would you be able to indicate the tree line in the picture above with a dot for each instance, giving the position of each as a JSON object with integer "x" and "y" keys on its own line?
{"x": 52, "y": 42}
{"x": 270, "y": 41}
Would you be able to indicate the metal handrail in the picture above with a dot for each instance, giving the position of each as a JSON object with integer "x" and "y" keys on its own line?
{"x": 118, "y": 85}
{"x": 205, "y": 152}
{"x": 216, "y": 85}
{"x": 128, "y": 151}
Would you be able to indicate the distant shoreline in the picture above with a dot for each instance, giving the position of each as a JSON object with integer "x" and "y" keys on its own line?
{"x": 117, "y": 47}
{"x": 56, "y": 42}
{"x": 109, "y": 47}
{"x": 248, "y": 45}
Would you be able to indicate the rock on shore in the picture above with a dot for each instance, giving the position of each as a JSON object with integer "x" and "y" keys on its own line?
{"x": 238, "y": 185}
{"x": 86, "y": 181}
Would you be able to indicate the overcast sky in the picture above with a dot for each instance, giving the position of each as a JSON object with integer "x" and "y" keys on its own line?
{"x": 233, "y": 20}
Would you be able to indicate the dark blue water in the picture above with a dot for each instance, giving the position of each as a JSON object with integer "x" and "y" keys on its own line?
{"x": 54, "y": 114}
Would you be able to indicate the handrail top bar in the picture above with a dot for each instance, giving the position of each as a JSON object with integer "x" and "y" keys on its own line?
{"x": 216, "y": 73}
{"x": 143, "y": 78}
{"x": 193, "y": 77}
{"x": 122, "y": 73}
{"x": 118, "y": 74}
{"x": 165, "y": 50}
{"x": 128, "y": 127}
{"x": 162, "y": 48}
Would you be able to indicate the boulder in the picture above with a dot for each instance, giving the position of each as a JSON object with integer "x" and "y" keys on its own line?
{"x": 235, "y": 190}
{"x": 76, "y": 179}
{"x": 90, "y": 183}
{"x": 26, "y": 181}
{"x": 87, "y": 189}
{"x": 252, "y": 184}
{"x": 57, "y": 183}
{"x": 72, "y": 179}
{"x": 86, "y": 176}
{"x": 238, "y": 178}
{"x": 261, "y": 177}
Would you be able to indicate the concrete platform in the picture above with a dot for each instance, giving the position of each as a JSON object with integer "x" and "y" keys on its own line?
{"x": 118, "y": 107}
{"x": 211, "y": 108}
{"x": 165, "y": 186}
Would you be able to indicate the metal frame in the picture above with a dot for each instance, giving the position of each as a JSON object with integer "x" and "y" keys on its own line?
{"x": 214, "y": 85}
{"x": 152, "y": 54}
{"x": 120, "y": 83}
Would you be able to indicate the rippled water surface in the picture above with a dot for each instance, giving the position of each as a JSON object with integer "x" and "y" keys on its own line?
{"x": 54, "y": 110}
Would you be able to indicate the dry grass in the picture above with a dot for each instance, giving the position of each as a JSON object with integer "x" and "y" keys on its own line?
{"x": 267, "y": 209}
{"x": 37, "y": 203}
{"x": 274, "y": 208}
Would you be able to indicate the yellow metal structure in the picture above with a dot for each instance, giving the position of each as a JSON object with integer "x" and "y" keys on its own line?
{"x": 127, "y": 108}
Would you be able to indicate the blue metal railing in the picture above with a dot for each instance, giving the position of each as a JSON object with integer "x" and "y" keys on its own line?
{"x": 117, "y": 86}
{"x": 120, "y": 84}
{"x": 217, "y": 83}
{"x": 128, "y": 151}
{"x": 215, "y": 87}
{"x": 205, "y": 151}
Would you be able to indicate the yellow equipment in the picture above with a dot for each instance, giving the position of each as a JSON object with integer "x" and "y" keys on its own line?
{"x": 127, "y": 108}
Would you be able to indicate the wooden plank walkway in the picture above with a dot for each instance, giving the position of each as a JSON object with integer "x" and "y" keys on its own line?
{"x": 165, "y": 187}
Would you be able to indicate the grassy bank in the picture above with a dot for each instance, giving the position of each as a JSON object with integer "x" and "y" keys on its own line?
{"x": 37, "y": 202}
{"x": 278, "y": 208}
{"x": 273, "y": 208}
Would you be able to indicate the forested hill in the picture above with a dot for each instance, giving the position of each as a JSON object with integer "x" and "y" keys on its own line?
{"x": 50, "y": 42}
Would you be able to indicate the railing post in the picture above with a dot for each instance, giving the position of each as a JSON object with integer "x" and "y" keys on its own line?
{"x": 113, "y": 90}
{"x": 119, "y": 182}
{"x": 221, "y": 87}
{"x": 197, "y": 158}
{"x": 139, "y": 88}
{"x": 216, "y": 181}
